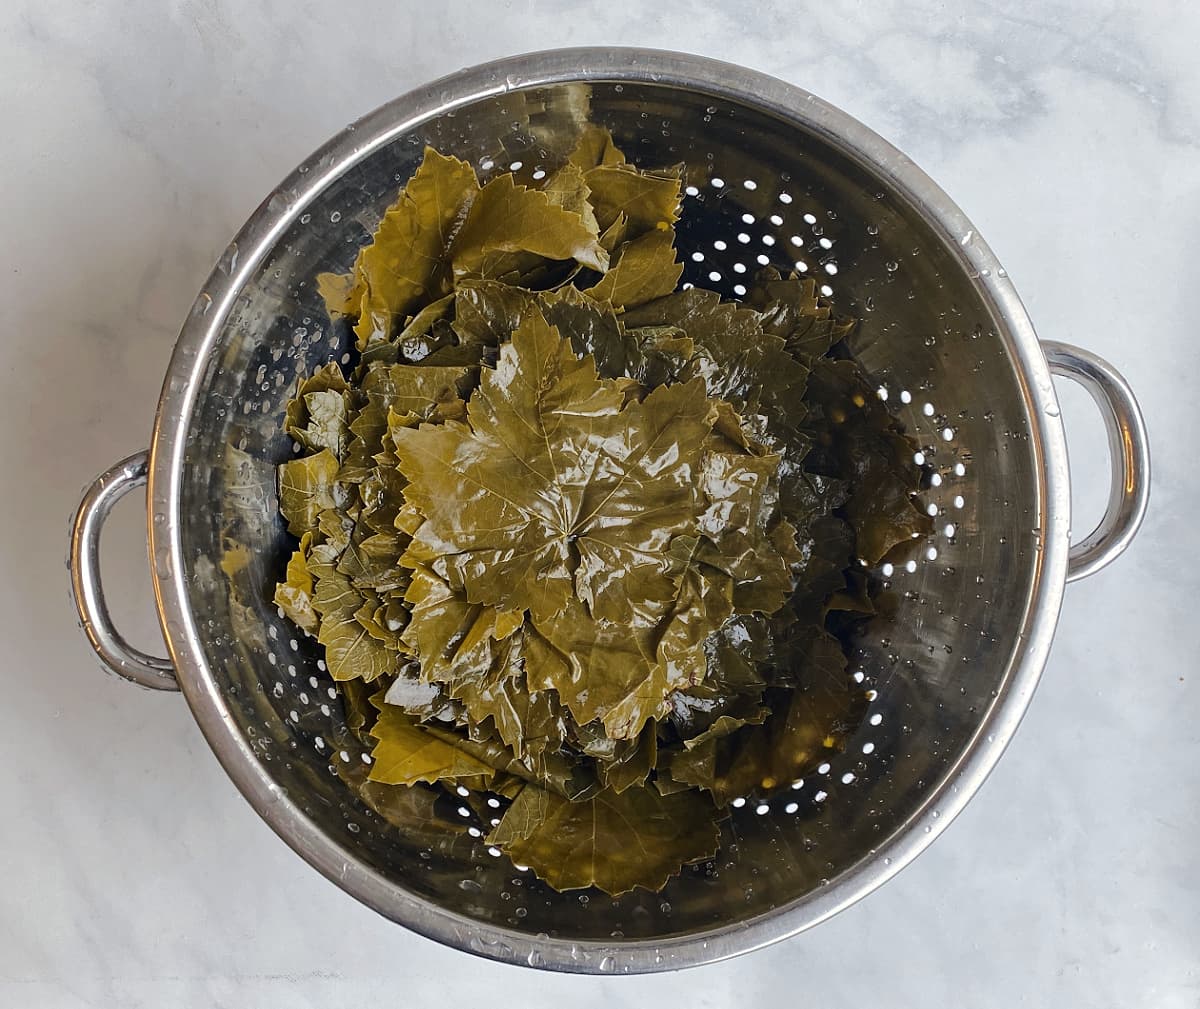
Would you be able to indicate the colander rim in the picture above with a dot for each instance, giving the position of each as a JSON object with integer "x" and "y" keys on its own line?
{"x": 201, "y": 333}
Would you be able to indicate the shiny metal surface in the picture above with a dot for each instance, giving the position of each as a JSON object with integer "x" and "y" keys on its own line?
{"x": 114, "y": 651}
{"x": 774, "y": 174}
{"x": 1129, "y": 450}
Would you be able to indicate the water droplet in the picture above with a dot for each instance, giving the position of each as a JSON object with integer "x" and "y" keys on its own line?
{"x": 607, "y": 964}
{"x": 535, "y": 959}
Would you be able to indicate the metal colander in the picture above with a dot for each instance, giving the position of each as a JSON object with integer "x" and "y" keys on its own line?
{"x": 774, "y": 176}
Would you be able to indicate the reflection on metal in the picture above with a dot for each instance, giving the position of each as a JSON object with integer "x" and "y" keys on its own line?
{"x": 1129, "y": 448}
{"x": 114, "y": 651}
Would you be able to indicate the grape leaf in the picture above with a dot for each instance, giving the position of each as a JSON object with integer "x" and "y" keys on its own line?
{"x": 748, "y": 542}
{"x": 420, "y": 337}
{"x": 317, "y": 415}
{"x": 452, "y": 638}
{"x": 740, "y": 363}
{"x": 367, "y": 428}
{"x": 294, "y": 594}
{"x": 407, "y": 754}
{"x": 555, "y": 485}
{"x": 306, "y": 488}
{"x": 350, "y": 650}
{"x": 632, "y": 760}
{"x": 648, "y": 200}
{"x": 792, "y": 308}
{"x": 429, "y": 392}
{"x": 508, "y": 221}
{"x": 487, "y": 312}
{"x": 805, "y": 727}
{"x": 566, "y": 188}
{"x": 406, "y": 265}
{"x": 594, "y": 147}
{"x": 642, "y": 270}
{"x": 857, "y": 439}
{"x": 622, "y": 671}
{"x": 613, "y": 841}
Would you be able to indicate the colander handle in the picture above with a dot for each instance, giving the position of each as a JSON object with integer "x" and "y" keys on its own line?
{"x": 1128, "y": 446}
{"x": 114, "y": 651}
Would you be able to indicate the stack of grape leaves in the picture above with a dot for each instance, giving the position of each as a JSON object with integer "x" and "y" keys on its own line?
{"x": 574, "y": 540}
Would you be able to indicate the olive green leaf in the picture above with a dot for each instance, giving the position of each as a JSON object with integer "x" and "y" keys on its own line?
{"x": 642, "y": 270}
{"x": 566, "y": 188}
{"x": 750, "y": 369}
{"x": 350, "y": 650}
{"x": 793, "y": 309}
{"x": 555, "y": 485}
{"x": 605, "y": 669}
{"x": 487, "y": 312}
{"x": 413, "y": 695}
{"x": 334, "y": 529}
{"x": 341, "y": 292}
{"x": 622, "y": 671}
{"x": 632, "y": 760}
{"x": 412, "y": 809}
{"x": 294, "y": 594}
{"x": 858, "y": 440}
{"x": 306, "y": 488}
{"x": 423, "y": 334}
{"x": 556, "y": 772}
{"x": 428, "y": 392}
{"x": 748, "y": 541}
{"x": 613, "y": 841}
{"x": 452, "y": 638}
{"x": 406, "y": 265}
{"x": 508, "y": 223}
{"x": 592, "y": 328}
{"x": 730, "y": 695}
{"x": 367, "y": 429}
{"x": 805, "y": 726}
{"x": 382, "y": 496}
{"x": 648, "y": 200}
{"x": 615, "y": 234}
{"x": 317, "y": 415}
{"x": 407, "y": 754}
{"x": 595, "y": 147}
{"x": 527, "y": 721}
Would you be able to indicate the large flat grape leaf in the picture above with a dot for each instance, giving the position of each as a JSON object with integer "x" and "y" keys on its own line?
{"x": 613, "y": 841}
{"x": 556, "y": 486}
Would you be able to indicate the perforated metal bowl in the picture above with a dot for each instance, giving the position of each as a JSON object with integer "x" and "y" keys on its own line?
{"x": 774, "y": 176}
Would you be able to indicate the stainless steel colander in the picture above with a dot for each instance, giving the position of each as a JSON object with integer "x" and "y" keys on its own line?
{"x": 774, "y": 175}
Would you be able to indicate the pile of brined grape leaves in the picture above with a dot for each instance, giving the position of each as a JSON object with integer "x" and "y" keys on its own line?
{"x": 578, "y": 541}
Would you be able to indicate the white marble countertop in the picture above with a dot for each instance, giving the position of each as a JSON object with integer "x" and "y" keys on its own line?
{"x": 138, "y": 135}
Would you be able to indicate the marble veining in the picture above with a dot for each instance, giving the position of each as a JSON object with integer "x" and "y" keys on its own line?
{"x": 138, "y": 136}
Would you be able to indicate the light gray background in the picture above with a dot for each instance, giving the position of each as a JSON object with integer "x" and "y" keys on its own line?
{"x": 136, "y": 138}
